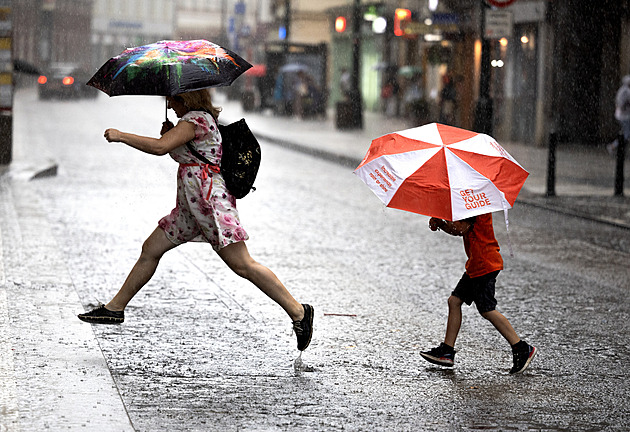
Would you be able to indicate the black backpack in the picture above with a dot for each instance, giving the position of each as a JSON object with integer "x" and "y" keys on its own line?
{"x": 240, "y": 160}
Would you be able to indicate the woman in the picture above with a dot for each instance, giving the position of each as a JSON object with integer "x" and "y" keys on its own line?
{"x": 205, "y": 211}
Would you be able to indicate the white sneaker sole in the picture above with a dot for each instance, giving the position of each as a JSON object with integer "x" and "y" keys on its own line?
{"x": 437, "y": 360}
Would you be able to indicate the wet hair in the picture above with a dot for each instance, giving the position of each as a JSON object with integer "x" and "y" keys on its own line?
{"x": 199, "y": 100}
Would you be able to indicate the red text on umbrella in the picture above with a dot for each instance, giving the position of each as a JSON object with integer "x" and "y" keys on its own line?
{"x": 474, "y": 200}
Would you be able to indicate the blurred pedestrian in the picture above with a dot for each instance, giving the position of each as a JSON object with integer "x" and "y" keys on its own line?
{"x": 622, "y": 111}
{"x": 281, "y": 94}
{"x": 416, "y": 107}
{"x": 477, "y": 285}
{"x": 390, "y": 93}
{"x": 309, "y": 103}
{"x": 345, "y": 84}
{"x": 301, "y": 92}
{"x": 448, "y": 101}
{"x": 205, "y": 212}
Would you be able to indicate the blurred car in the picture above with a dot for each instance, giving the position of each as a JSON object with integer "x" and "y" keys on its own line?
{"x": 65, "y": 80}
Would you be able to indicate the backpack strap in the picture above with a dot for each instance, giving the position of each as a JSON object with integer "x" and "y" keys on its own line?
{"x": 198, "y": 155}
{"x": 195, "y": 152}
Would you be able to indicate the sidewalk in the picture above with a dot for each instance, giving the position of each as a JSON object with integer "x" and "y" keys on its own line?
{"x": 51, "y": 376}
{"x": 584, "y": 175}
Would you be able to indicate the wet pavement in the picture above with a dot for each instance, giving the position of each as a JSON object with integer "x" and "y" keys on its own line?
{"x": 203, "y": 350}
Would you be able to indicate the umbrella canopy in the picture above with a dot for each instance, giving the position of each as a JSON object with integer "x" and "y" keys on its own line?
{"x": 442, "y": 171}
{"x": 168, "y": 68}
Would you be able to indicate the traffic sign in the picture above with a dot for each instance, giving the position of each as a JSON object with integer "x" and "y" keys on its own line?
{"x": 500, "y": 3}
{"x": 498, "y": 24}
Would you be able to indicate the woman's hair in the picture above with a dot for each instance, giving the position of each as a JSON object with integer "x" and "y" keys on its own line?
{"x": 199, "y": 100}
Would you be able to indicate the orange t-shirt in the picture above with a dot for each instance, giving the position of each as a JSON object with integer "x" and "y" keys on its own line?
{"x": 482, "y": 248}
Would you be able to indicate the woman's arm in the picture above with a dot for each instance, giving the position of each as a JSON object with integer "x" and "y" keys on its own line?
{"x": 170, "y": 140}
{"x": 458, "y": 228}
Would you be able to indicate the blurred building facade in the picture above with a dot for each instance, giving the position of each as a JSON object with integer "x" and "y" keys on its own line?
{"x": 555, "y": 65}
{"x": 241, "y": 25}
{"x": 120, "y": 24}
{"x": 47, "y": 31}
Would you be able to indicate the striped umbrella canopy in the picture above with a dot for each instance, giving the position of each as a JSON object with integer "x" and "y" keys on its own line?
{"x": 442, "y": 171}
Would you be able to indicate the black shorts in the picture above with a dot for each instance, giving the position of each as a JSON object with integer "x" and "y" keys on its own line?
{"x": 479, "y": 290}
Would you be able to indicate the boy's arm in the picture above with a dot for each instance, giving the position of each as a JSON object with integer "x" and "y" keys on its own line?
{"x": 458, "y": 228}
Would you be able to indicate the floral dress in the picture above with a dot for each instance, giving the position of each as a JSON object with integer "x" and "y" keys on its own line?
{"x": 205, "y": 209}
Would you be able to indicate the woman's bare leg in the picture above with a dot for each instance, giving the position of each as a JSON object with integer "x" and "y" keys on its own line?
{"x": 152, "y": 251}
{"x": 237, "y": 257}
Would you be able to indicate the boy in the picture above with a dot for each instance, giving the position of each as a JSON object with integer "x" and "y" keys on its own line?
{"x": 477, "y": 285}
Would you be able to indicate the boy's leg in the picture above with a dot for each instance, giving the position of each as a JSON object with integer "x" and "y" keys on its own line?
{"x": 444, "y": 354}
{"x": 454, "y": 321}
{"x": 486, "y": 305}
{"x": 502, "y": 324}
{"x": 522, "y": 352}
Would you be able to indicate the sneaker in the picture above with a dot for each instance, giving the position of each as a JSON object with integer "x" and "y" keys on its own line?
{"x": 102, "y": 315}
{"x": 522, "y": 359}
{"x": 442, "y": 355}
{"x": 304, "y": 328}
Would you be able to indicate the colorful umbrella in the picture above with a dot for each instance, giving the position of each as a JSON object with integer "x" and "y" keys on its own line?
{"x": 442, "y": 171}
{"x": 168, "y": 68}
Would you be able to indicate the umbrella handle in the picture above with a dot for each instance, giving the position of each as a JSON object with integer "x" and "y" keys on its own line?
{"x": 507, "y": 228}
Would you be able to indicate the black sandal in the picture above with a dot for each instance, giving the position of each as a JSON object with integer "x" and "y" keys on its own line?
{"x": 102, "y": 315}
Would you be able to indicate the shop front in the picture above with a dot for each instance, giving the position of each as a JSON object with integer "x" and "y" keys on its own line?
{"x": 416, "y": 64}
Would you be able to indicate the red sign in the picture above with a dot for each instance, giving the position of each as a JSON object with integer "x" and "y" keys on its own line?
{"x": 400, "y": 16}
{"x": 500, "y": 3}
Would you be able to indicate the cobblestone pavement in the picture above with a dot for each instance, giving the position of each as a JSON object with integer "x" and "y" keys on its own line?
{"x": 202, "y": 350}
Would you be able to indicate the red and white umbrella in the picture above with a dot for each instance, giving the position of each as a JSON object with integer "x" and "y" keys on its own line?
{"x": 442, "y": 171}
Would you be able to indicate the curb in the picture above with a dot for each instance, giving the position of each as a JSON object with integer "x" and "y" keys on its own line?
{"x": 575, "y": 213}
{"x": 21, "y": 171}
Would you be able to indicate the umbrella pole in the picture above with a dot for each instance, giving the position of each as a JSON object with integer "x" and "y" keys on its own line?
{"x": 166, "y": 109}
